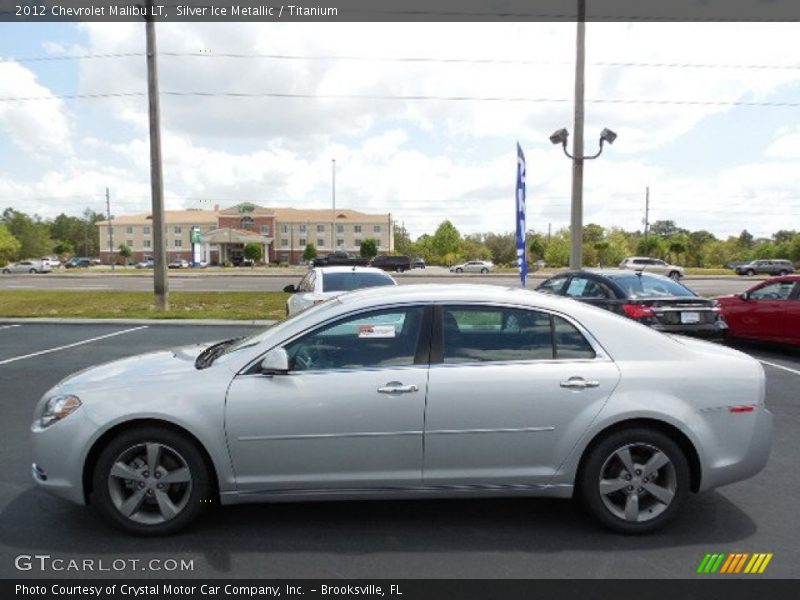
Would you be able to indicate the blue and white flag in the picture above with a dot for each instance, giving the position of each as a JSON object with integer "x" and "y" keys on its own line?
{"x": 522, "y": 255}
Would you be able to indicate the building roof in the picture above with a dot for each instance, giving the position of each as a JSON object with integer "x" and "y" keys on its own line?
{"x": 178, "y": 217}
{"x": 295, "y": 215}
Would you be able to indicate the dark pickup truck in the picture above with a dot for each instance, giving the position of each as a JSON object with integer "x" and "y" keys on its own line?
{"x": 339, "y": 259}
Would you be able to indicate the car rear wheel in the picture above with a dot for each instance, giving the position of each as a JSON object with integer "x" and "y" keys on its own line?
{"x": 750, "y": 272}
{"x": 32, "y": 271}
{"x": 6, "y": 271}
{"x": 675, "y": 275}
{"x": 484, "y": 270}
{"x": 634, "y": 481}
{"x": 784, "y": 273}
{"x": 459, "y": 270}
{"x": 151, "y": 481}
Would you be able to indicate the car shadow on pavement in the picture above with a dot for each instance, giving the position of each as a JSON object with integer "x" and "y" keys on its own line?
{"x": 35, "y": 522}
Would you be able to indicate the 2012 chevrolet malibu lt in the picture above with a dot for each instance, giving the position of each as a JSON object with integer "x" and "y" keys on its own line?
{"x": 427, "y": 391}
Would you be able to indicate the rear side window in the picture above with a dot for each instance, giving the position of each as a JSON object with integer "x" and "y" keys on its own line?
{"x": 496, "y": 334}
{"x": 647, "y": 286}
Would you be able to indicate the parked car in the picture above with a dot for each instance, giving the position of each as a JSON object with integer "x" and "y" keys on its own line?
{"x": 179, "y": 264}
{"x": 338, "y": 258}
{"x": 147, "y": 263}
{"x": 398, "y": 264}
{"x": 652, "y": 265}
{"x": 27, "y": 266}
{"x": 769, "y": 311}
{"x": 734, "y": 264}
{"x": 78, "y": 262}
{"x": 509, "y": 392}
{"x": 473, "y": 266}
{"x": 654, "y": 300}
{"x": 768, "y": 267}
{"x": 52, "y": 262}
{"x": 418, "y": 263}
{"x": 323, "y": 283}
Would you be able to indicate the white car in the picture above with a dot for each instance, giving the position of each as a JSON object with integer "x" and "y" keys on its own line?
{"x": 322, "y": 283}
{"x": 51, "y": 261}
{"x": 27, "y": 266}
{"x": 473, "y": 266}
{"x": 652, "y": 265}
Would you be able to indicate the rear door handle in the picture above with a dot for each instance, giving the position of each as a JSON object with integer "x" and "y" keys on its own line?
{"x": 395, "y": 387}
{"x": 579, "y": 383}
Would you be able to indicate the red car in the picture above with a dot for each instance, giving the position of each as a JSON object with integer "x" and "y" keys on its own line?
{"x": 769, "y": 311}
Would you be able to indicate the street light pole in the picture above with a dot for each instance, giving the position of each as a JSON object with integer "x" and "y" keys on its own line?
{"x": 160, "y": 282}
{"x": 333, "y": 204}
{"x": 576, "y": 219}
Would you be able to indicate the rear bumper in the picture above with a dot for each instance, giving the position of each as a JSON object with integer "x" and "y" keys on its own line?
{"x": 714, "y": 331}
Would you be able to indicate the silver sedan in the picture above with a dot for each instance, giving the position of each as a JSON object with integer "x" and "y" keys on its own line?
{"x": 430, "y": 391}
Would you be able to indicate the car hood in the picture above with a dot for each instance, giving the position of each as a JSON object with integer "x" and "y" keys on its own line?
{"x": 162, "y": 364}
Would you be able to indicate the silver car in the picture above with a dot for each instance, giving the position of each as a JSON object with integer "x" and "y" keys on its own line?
{"x": 473, "y": 266}
{"x": 27, "y": 266}
{"x": 323, "y": 283}
{"x": 430, "y": 391}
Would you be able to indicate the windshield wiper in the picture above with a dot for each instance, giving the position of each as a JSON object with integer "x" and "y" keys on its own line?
{"x": 207, "y": 356}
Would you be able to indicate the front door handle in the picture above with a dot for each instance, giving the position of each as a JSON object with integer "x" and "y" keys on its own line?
{"x": 395, "y": 387}
{"x": 579, "y": 383}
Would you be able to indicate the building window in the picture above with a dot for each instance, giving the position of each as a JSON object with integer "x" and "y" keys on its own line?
{"x": 357, "y": 242}
{"x": 340, "y": 229}
{"x": 356, "y": 228}
{"x": 320, "y": 242}
{"x": 377, "y": 229}
{"x": 247, "y": 223}
{"x": 265, "y": 230}
{"x": 178, "y": 230}
{"x": 320, "y": 228}
{"x": 129, "y": 229}
{"x": 147, "y": 243}
{"x": 146, "y": 230}
{"x": 303, "y": 228}
{"x": 340, "y": 243}
{"x": 302, "y": 242}
{"x": 129, "y": 243}
{"x": 284, "y": 243}
{"x": 178, "y": 243}
{"x": 284, "y": 228}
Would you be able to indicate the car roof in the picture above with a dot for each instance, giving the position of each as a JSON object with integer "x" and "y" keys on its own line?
{"x": 613, "y": 273}
{"x": 353, "y": 269}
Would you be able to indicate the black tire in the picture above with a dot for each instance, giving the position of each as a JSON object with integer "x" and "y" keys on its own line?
{"x": 459, "y": 270}
{"x": 675, "y": 275}
{"x": 750, "y": 272}
{"x": 484, "y": 271}
{"x": 32, "y": 271}
{"x": 6, "y": 272}
{"x": 599, "y": 455}
{"x": 200, "y": 495}
{"x": 783, "y": 273}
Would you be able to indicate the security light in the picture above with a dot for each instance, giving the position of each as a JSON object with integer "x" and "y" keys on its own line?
{"x": 560, "y": 137}
{"x": 607, "y": 136}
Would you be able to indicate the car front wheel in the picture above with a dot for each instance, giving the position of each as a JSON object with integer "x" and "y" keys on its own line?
{"x": 784, "y": 273}
{"x": 674, "y": 275}
{"x": 484, "y": 270}
{"x": 459, "y": 270}
{"x": 750, "y": 272}
{"x": 151, "y": 481}
{"x": 634, "y": 481}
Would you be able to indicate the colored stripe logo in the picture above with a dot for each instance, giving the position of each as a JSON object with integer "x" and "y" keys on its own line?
{"x": 734, "y": 563}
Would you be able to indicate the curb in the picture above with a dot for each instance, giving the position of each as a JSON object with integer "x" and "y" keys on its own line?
{"x": 114, "y": 321}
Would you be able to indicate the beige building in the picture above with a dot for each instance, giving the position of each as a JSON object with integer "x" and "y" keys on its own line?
{"x": 283, "y": 232}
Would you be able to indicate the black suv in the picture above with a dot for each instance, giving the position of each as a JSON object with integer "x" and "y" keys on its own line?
{"x": 768, "y": 266}
{"x": 391, "y": 263}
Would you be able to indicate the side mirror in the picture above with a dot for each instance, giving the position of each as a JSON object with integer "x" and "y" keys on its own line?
{"x": 290, "y": 289}
{"x": 745, "y": 296}
{"x": 275, "y": 362}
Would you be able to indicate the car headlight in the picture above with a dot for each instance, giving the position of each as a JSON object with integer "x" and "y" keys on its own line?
{"x": 57, "y": 408}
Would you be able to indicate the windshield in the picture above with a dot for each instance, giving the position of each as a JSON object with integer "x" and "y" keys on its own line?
{"x": 347, "y": 282}
{"x": 647, "y": 286}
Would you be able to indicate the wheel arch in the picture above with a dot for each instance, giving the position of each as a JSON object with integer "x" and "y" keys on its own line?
{"x": 101, "y": 442}
{"x": 680, "y": 438}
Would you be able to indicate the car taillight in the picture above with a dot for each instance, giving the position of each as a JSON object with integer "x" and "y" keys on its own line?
{"x": 638, "y": 311}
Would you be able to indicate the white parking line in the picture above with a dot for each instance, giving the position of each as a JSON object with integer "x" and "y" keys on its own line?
{"x": 9, "y": 326}
{"x": 777, "y": 366}
{"x": 49, "y": 350}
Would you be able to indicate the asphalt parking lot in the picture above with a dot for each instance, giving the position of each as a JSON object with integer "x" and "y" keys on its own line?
{"x": 520, "y": 538}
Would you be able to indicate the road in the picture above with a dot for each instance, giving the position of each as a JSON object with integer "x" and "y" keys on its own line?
{"x": 200, "y": 282}
{"x": 519, "y": 538}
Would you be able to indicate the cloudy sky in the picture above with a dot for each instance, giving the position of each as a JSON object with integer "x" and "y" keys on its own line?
{"x": 697, "y": 107}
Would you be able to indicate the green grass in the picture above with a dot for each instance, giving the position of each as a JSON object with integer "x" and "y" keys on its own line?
{"x": 139, "y": 305}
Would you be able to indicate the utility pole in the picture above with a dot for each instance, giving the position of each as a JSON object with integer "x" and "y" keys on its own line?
{"x": 333, "y": 203}
{"x": 160, "y": 282}
{"x": 646, "y": 214}
{"x": 549, "y": 229}
{"x": 576, "y": 221}
{"x": 110, "y": 229}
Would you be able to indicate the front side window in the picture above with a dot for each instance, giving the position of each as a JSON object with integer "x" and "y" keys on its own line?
{"x": 386, "y": 338}
{"x": 554, "y": 285}
{"x": 497, "y": 334}
{"x": 780, "y": 290}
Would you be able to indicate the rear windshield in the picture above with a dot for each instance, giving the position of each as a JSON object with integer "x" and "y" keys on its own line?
{"x": 345, "y": 282}
{"x": 647, "y": 286}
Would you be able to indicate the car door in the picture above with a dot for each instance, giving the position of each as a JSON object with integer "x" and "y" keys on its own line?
{"x": 510, "y": 392}
{"x": 762, "y": 313}
{"x": 792, "y": 318}
{"x": 349, "y": 414}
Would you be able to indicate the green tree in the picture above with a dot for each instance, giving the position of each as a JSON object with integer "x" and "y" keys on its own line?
{"x": 9, "y": 245}
{"x": 650, "y": 246}
{"x": 369, "y": 248}
{"x": 502, "y": 247}
{"x": 473, "y": 248}
{"x": 536, "y": 246}
{"x": 677, "y": 247}
{"x": 602, "y": 252}
{"x": 794, "y": 249}
{"x": 745, "y": 239}
{"x": 125, "y": 252}
{"x": 32, "y": 234}
{"x": 593, "y": 233}
{"x": 253, "y": 252}
{"x": 402, "y": 242}
{"x": 63, "y": 248}
{"x": 558, "y": 250}
{"x": 310, "y": 253}
{"x": 664, "y": 228}
{"x": 446, "y": 242}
